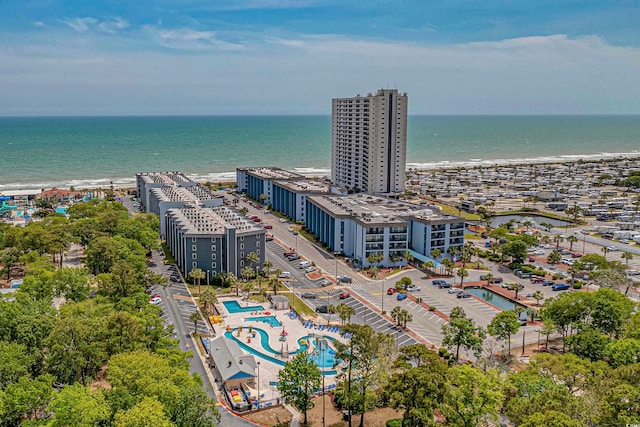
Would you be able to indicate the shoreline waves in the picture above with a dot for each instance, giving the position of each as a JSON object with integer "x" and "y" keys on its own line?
{"x": 227, "y": 177}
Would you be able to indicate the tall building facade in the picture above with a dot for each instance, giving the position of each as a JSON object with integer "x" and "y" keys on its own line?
{"x": 369, "y": 142}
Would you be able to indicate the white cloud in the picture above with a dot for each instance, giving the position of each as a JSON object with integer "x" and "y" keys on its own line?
{"x": 39, "y": 24}
{"x": 113, "y": 25}
{"x": 187, "y": 39}
{"x": 81, "y": 25}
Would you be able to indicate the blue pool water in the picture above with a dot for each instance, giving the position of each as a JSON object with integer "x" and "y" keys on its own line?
{"x": 62, "y": 211}
{"x": 271, "y": 320}
{"x": 234, "y": 307}
{"x": 493, "y": 298}
{"x": 329, "y": 358}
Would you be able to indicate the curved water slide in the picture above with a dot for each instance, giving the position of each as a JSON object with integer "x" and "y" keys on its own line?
{"x": 5, "y": 207}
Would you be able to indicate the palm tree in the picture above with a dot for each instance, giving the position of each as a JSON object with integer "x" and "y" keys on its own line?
{"x": 538, "y": 296}
{"x": 345, "y": 312}
{"x": 627, "y": 256}
{"x": 197, "y": 274}
{"x": 554, "y": 257}
{"x": 208, "y": 299}
{"x": 489, "y": 278}
{"x": 234, "y": 283}
{"x": 546, "y": 226}
{"x": 252, "y": 258}
{"x": 195, "y": 318}
{"x": 517, "y": 287}
{"x": 429, "y": 265}
{"x": 462, "y": 273}
{"x": 571, "y": 240}
{"x": 605, "y": 251}
{"x": 435, "y": 253}
{"x": 405, "y": 316}
{"x": 331, "y": 309}
{"x": 395, "y": 314}
{"x": 557, "y": 239}
{"x": 266, "y": 267}
{"x": 409, "y": 257}
{"x": 273, "y": 284}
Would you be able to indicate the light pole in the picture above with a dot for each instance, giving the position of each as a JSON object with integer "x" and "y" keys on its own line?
{"x": 335, "y": 254}
{"x": 382, "y": 296}
{"x": 296, "y": 241}
{"x": 258, "y": 386}
{"x": 524, "y": 333}
{"x": 323, "y": 396}
{"x": 208, "y": 278}
{"x": 538, "y": 331}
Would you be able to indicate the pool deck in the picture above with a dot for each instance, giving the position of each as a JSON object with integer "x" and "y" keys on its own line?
{"x": 294, "y": 328}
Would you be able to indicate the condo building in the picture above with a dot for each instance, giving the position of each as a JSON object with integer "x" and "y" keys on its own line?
{"x": 146, "y": 181}
{"x": 369, "y": 142}
{"x": 363, "y": 225}
{"x": 214, "y": 239}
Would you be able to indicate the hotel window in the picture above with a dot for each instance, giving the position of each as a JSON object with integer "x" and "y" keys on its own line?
{"x": 193, "y": 239}
{"x": 213, "y": 256}
{"x": 213, "y": 247}
{"x": 241, "y": 254}
{"x": 194, "y": 256}
{"x": 241, "y": 245}
{"x": 258, "y": 243}
{"x": 241, "y": 263}
{"x": 194, "y": 248}
{"x": 194, "y": 264}
{"x": 213, "y": 265}
{"x": 242, "y": 238}
{"x": 257, "y": 251}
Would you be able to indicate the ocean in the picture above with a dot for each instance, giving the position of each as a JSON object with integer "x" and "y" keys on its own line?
{"x": 39, "y": 152}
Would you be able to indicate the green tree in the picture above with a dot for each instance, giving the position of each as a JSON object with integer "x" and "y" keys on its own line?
{"x": 538, "y": 295}
{"x": 554, "y": 257}
{"x": 489, "y": 278}
{"x": 252, "y": 258}
{"x": 148, "y": 413}
{"x": 195, "y": 318}
{"x": 27, "y": 398}
{"x": 76, "y": 405}
{"x": 516, "y": 287}
{"x": 14, "y": 362}
{"x": 208, "y": 300}
{"x": 404, "y": 317}
{"x": 417, "y": 385}
{"x": 472, "y": 397}
{"x": 461, "y": 332}
{"x": 503, "y": 326}
{"x": 8, "y": 257}
{"x": 589, "y": 344}
{"x": 298, "y": 380}
{"x": 395, "y": 314}
{"x": 197, "y": 274}
{"x": 516, "y": 249}
{"x": 627, "y": 256}
{"x": 366, "y": 357}
{"x": 462, "y": 272}
{"x": 345, "y": 312}
{"x": 623, "y": 352}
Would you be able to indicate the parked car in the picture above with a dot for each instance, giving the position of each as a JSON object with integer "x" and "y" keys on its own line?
{"x": 532, "y": 258}
{"x": 401, "y": 297}
{"x": 633, "y": 272}
{"x": 288, "y": 254}
{"x": 584, "y": 231}
{"x": 391, "y": 291}
{"x": 438, "y": 282}
{"x": 325, "y": 282}
{"x": 310, "y": 269}
{"x": 453, "y": 290}
{"x": 539, "y": 252}
{"x": 268, "y": 238}
{"x": 444, "y": 285}
{"x": 613, "y": 248}
{"x": 322, "y": 309}
{"x": 155, "y": 299}
{"x": 575, "y": 255}
{"x": 463, "y": 294}
{"x": 309, "y": 295}
{"x": 344, "y": 295}
{"x": 304, "y": 264}
{"x": 560, "y": 287}
{"x": 548, "y": 282}
{"x": 537, "y": 279}
{"x": 565, "y": 252}
{"x": 285, "y": 275}
{"x": 293, "y": 257}
{"x": 345, "y": 279}
{"x": 268, "y": 226}
{"x": 413, "y": 288}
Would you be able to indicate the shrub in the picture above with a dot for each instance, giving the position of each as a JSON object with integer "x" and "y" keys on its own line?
{"x": 539, "y": 272}
{"x": 495, "y": 258}
{"x": 443, "y": 352}
{"x": 577, "y": 285}
{"x": 395, "y": 422}
{"x": 515, "y": 266}
{"x": 557, "y": 276}
{"x": 432, "y": 308}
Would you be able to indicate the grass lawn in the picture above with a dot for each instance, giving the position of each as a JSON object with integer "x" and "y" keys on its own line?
{"x": 450, "y": 210}
{"x": 168, "y": 258}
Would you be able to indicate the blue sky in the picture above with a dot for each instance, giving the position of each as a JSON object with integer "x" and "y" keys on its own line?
{"x": 291, "y": 57}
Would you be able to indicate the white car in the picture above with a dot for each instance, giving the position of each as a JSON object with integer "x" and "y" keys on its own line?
{"x": 413, "y": 288}
{"x": 539, "y": 252}
{"x": 613, "y": 248}
{"x": 285, "y": 275}
{"x": 633, "y": 272}
{"x": 453, "y": 290}
{"x": 155, "y": 300}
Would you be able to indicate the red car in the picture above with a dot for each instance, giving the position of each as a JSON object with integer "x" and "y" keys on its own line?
{"x": 288, "y": 254}
{"x": 390, "y": 291}
{"x": 268, "y": 226}
{"x": 344, "y": 295}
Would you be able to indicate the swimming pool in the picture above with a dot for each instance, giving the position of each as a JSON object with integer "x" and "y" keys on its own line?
{"x": 329, "y": 358}
{"x": 493, "y": 298}
{"x": 234, "y": 307}
{"x": 62, "y": 211}
{"x": 271, "y": 320}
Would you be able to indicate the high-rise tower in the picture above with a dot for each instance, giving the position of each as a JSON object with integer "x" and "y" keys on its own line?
{"x": 369, "y": 142}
